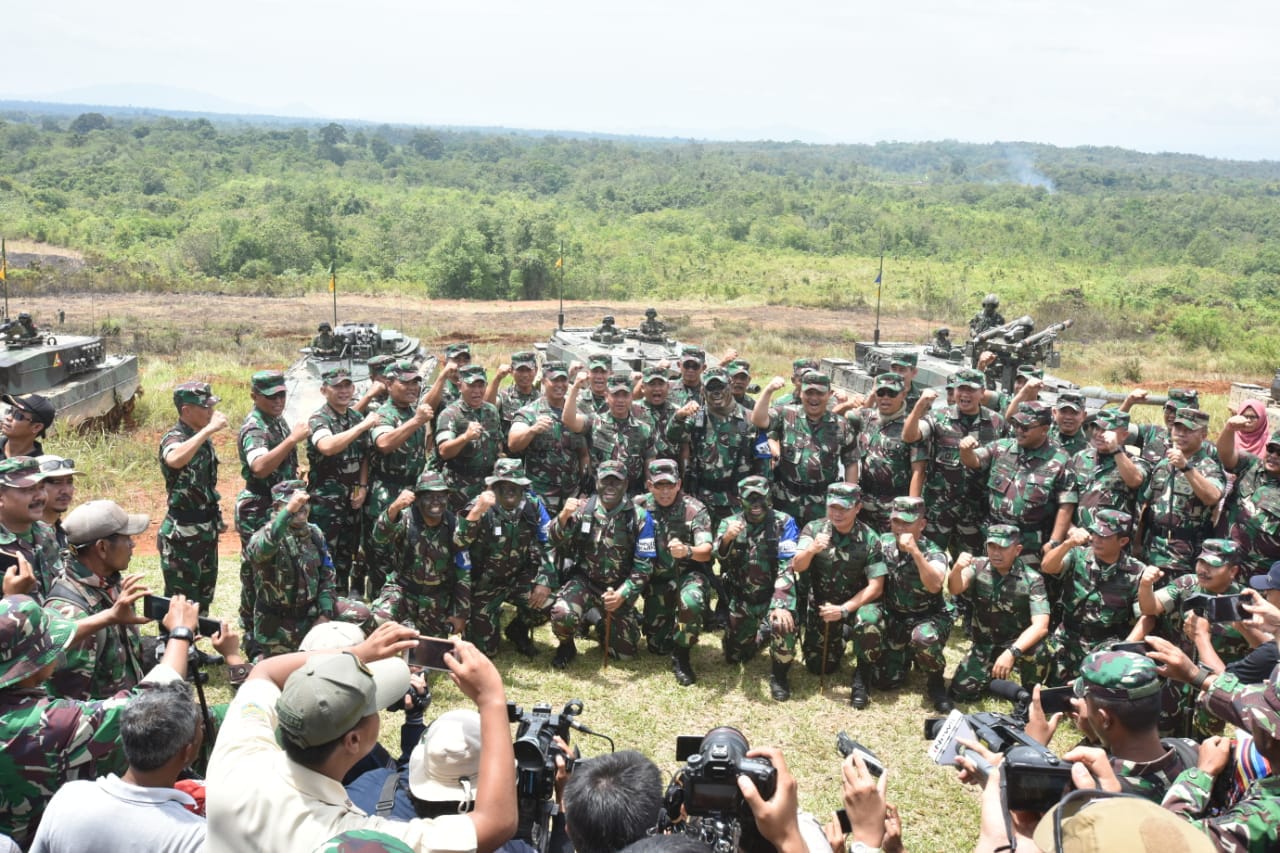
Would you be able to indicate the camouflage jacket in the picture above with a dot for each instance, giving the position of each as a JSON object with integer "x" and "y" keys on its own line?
{"x": 1154, "y": 441}
{"x": 608, "y": 548}
{"x": 292, "y": 568}
{"x": 1004, "y": 604}
{"x": 589, "y": 403}
{"x": 193, "y": 488}
{"x": 552, "y": 460}
{"x": 904, "y": 592}
{"x": 628, "y": 441}
{"x": 811, "y": 452}
{"x": 950, "y": 486}
{"x": 721, "y": 452}
{"x": 687, "y": 520}
{"x": 425, "y": 558}
{"x": 105, "y": 662}
{"x": 1252, "y": 824}
{"x": 475, "y": 461}
{"x": 333, "y": 477}
{"x": 681, "y": 394}
{"x": 511, "y": 401}
{"x": 400, "y": 468}
{"x": 1151, "y": 779}
{"x": 508, "y": 548}
{"x": 1173, "y": 510}
{"x": 886, "y": 458}
{"x": 658, "y": 419}
{"x": 259, "y": 435}
{"x": 1099, "y": 485}
{"x": 1229, "y": 643}
{"x": 1071, "y": 444}
{"x": 1253, "y": 515}
{"x": 1026, "y": 487}
{"x": 39, "y": 545}
{"x": 756, "y": 566}
{"x": 1099, "y": 602}
{"x": 841, "y": 570}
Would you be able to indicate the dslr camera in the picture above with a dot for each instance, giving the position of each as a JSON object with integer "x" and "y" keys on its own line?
{"x": 706, "y": 791}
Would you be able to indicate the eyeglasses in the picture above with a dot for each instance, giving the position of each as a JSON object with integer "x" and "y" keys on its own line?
{"x": 1273, "y": 449}
{"x": 50, "y": 465}
{"x": 1249, "y": 415}
{"x": 886, "y": 392}
{"x": 18, "y": 415}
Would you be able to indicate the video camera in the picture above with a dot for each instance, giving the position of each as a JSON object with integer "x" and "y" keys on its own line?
{"x": 536, "y": 754}
{"x": 706, "y": 790}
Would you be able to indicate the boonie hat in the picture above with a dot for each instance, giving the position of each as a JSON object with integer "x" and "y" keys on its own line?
{"x": 194, "y": 394}
{"x": 94, "y": 520}
{"x": 268, "y": 382}
{"x": 508, "y": 470}
{"x": 444, "y": 765}
{"x": 57, "y": 466}
{"x": 30, "y": 638}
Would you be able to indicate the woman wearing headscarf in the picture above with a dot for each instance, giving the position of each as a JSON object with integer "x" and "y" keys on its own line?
{"x": 1251, "y": 515}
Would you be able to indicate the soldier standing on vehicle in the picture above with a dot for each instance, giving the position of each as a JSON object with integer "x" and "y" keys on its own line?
{"x": 596, "y": 400}
{"x": 655, "y": 406}
{"x": 1109, "y": 472}
{"x": 468, "y": 438}
{"x": 555, "y": 456}
{"x": 324, "y": 342}
{"x": 890, "y": 467}
{"x": 524, "y": 367}
{"x": 188, "y": 536}
{"x": 617, "y": 435}
{"x": 988, "y": 318}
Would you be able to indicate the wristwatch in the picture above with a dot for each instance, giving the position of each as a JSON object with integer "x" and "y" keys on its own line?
{"x": 182, "y": 632}
{"x": 1015, "y": 651}
{"x": 861, "y": 847}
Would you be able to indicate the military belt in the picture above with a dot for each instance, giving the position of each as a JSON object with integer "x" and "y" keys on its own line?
{"x": 915, "y": 614}
{"x": 415, "y": 588}
{"x": 720, "y": 484}
{"x": 280, "y": 612}
{"x": 194, "y": 516}
{"x": 1192, "y": 533}
{"x": 795, "y": 487}
{"x": 1093, "y": 631}
{"x": 261, "y": 488}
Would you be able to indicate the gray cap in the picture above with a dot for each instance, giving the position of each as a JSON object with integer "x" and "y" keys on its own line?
{"x": 329, "y": 696}
{"x": 96, "y": 520}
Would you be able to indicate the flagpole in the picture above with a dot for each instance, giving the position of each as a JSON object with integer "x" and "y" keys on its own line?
{"x": 333, "y": 288}
{"x": 560, "y": 265}
{"x": 4, "y": 275}
{"x": 879, "y": 285}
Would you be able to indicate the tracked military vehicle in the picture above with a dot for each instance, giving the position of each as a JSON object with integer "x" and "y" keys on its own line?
{"x": 85, "y": 385}
{"x": 352, "y": 345}
{"x": 631, "y": 349}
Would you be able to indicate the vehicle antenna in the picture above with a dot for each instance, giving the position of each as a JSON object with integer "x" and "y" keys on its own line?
{"x": 879, "y": 278}
{"x": 559, "y": 266}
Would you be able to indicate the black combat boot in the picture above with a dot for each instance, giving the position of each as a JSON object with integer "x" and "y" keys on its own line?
{"x": 518, "y": 633}
{"x": 681, "y": 667}
{"x": 779, "y": 686}
{"x": 565, "y": 654}
{"x": 936, "y": 688}
{"x": 859, "y": 697}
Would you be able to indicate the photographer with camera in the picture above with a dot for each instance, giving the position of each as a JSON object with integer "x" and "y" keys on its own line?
{"x": 611, "y": 801}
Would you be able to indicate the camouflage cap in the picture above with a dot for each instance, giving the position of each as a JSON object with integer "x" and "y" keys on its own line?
{"x": 1191, "y": 418}
{"x": 336, "y": 376}
{"x": 890, "y": 381}
{"x": 600, "y": 361}
{"x": 30, "y": 638}
{"x": 653, "y": 373}
{"x": 554, "y": 369}
{"x": 1033, "y": 413}
{"x": 970, "y": 378}
{"x": 619, "y": 382}
{"x": 454, "y": 350}
{"x": 326, "y": 698}
{"x": 1274, "y": 441}
{"x": 1069, "y": 400}
{"x": 281, "y": 491}
{"x": 403, "y": 371}
{"x": 94, "y": 520}
{"x": 753, "y": 485}
{"x": 508, "y": 470}
{"x": 472, "y": 373}
{"x": 907, "y": 509}
{"x": 692, "y": 353}
{"x": 431, "y": 481}
{"x": 194, "y": 394}
{"x": 20, "y": 472}
{"x": 1271, "y": 580}
{"x": 815, "y": 380}
{"x": 738, "y": 367}
{"x": 611, "y": 468}
{"x": 524, "y": 358}
{"x": 1030, "y": 371}
{"x": 847, "y": 495}
{"x": 1117, "y": 675}
{"x": 38, "y": 406}
{"x": 1004, "y": 535}
{"x": 800, "y": 365}
{"x": 717, "y": 375}
{"x": 1219, "y": 552}
{"x": 1111, "y": 522}
{"x": 364, "y": 841}
{"x": 379, "y": 363}
{"x": 905, "y": 358}
{"x": 1183, "y": 398}
{"x": 1090, "y": 821}
{"x": 268, "y": 383}
{"x": 1253, "y": 707}
{"x": 664, "y": 471}
{"x": 1110, "y": 419}
{"x": 951, "y": 381}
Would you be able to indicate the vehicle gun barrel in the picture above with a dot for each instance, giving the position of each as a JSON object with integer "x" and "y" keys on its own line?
{"x": 1047, "y": 333}
{"x": 1011, "y": 327}
{"x": 1097, "y": 392}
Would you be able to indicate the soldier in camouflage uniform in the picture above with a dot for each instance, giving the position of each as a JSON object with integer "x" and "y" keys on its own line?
{"x": 47, "y": 742}
{"x": 1099, "y": 591}
{"x": 504, "y": 530}
{"x": 1154, "y": 439}
{"x": 1027, "y": 382}
{"x": 617, "y": 435}
{"x": 917, "y": 623}
{"x": 799, "y": 367}
{"x": 338, "y": 480}
{"x": 739, "y": 370}
{"x": 988, "y": 318}
{"x": 294, "y": 576}
{"x": 376, "y": 394}
{"x": 1010, "y": 616}
{"x": 1109, "y": 472}
{"x": 468, "y": 439}
{"x": 22, "y": 501}
{"x": 100, "y": 540}
{"x": 1251, "y": 516}
{"x": 188, "y": 536}
{"x": 611, "y": 543}
{"x": 693, "y": 360}
{"x": 397, "y": 456}
{"x": 445, "y": 390}
{"x": 679, "y": 587}
{"x": 906, "y": 364}
{"x": 524, "y": 367}
{"x": 429, "y": 582}
{"x": 596, "y": 400}
{"x": 1068, "y": 422}
{"x": 1180, "y": 496}
{"x": 890, "y": 467}
{"x": 842, "y": 558}
{"x": 755, "y": 547}
{"x": 955, "y": 496}
{"x": 555, "y": 456}
{"x": 657, "y": 409}
{"x": 268, "y": 451}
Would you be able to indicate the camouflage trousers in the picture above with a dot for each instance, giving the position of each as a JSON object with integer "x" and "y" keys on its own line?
{"x": 428, "y": 612}
{"x": 376, "y": 557}
{"x": 692, "y": 598}
{"x": 278, "y": 630}
{"x": 875, "y": 512}
{"x": 865, "y": 628}
{"x": 189, "y": 560}
{"x": 956, "y": 529}
{"x": 1067, "y": 649}
{"x": 749, "y": 629}
{"x": 974, "y": 672}
{"x": 576, "y": 598}
{"x": 907, "y": 636}
{"x": 489, "y": 591}
{"x": 252, "y": 514}
{"x": 673, "y": 608}
{"x": 340, "y": 525}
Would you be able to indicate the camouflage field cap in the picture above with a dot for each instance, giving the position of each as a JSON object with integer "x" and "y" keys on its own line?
{"x": 890, "y": 381}
{"x": 907, "y": 509}
{"x": 1111, "y": 522}
{"x": 951, "y": 381}
{"x": 753, "y": 485}
{"x": 653, "y": 373}
{"x": 378, "y": 364}
{"x": 619, "y": 382}
{"x": 94, "y": 520}
{"x": 1003, "y": 535}
{"x": 326, "y": 698}
{"x": 738, "y": 367}
{"x": 1034, "y": 413}
{"x": 1090, "y": 821}
{"x": 336, "y": 376}
{"x": 431, "y": 481}
{"x": 611, "y": 468}
{"x": 1219, "y": 552}
{"x": 20, "y": 472}
{"x": 815, "y": 380}
{"x": 970, "y": 378}
{"x": 403, "y": 371}
{"x": 600, "y": 361}
{"x": 30, "y": 638}
{"x": 1252, "y": 707}
{"x": 847, "y": 495}
{"x": 508, "y": 470}
{"x": 268, "y": 383}
{"x": 1070, "y": 400}
{"x": 1182, "y": 398}
{"x": 364, "y": 841}
{"x": 527, "y": 359}
{"x": 664, "y": 471}
{"x": 718, "y": 375}
{"x": 691, "y": 353}
{"x": 1191, "y": 418}
{"x": 1273, "y": 442}
{"x": 1110, "y": 419}
{"x": 472, "y": 373}
{"x": 1271, "y": 580}
{"x": 453, "y": 351}
{"x": 194, "y": 394}
{"x": 905, "y": 358}
{"x": 283, "y": 489}
{"x": 555, "y": 369}
{"x": 1117, "y": 675}
{"x": 1030, "y": 371}
{"x": 800, "y": 365}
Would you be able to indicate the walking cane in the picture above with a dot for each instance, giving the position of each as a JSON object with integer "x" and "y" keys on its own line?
{"x": 826, "y": 639}
{"x": 608, "y": 626}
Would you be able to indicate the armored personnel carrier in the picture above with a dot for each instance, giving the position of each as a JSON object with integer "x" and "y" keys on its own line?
{"x": 630, "y": 349}
{"x": 353, "y": 344}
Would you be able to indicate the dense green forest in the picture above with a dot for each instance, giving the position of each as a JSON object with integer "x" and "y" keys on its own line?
{"x": 1176, "y": 245}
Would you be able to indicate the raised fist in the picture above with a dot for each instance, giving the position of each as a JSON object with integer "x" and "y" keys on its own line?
{"x": 969, "y": 442}
{"x": 572, "y": 505}
{"x": 218, "y": 422}
{"x": 734, "y": 529}
{"x": 776, "y": 383}
{"x": 906, "y": 542}
{"x": 688, "y": 410}
{"x": 485, "y": 500}
{"x": 927, "y": 396}
{"x": 1079, "y": 536}
{"x": 1150, "y": 575}
{"x": 404, "y": 500}
{"x": 297, "y": 501}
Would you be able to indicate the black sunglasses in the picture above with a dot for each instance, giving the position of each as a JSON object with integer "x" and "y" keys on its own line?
{"x": 50, "y": 465}
{"x": 886, "y": 392}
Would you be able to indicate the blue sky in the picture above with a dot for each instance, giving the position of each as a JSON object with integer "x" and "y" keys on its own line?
{"x": 1155, "y": 76}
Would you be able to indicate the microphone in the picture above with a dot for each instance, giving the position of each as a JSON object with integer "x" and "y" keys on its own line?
{"x": 1011, "y": 691}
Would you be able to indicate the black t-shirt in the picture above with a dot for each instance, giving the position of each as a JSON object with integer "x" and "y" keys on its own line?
{"x": 1256, "y": 667}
